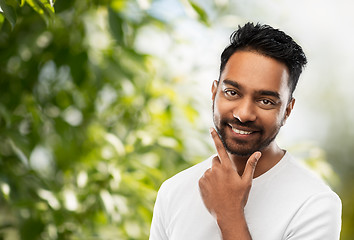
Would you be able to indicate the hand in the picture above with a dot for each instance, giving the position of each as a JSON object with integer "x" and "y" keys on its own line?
{"x": 223, "y": 190}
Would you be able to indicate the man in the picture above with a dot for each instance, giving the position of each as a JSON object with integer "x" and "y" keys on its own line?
{"x": 251, "y": 189}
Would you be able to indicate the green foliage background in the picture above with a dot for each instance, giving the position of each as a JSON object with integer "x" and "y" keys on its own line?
{"x": 90, "y": 127}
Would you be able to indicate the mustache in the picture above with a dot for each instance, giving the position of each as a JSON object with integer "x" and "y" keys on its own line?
{"x": 235, "y": 122}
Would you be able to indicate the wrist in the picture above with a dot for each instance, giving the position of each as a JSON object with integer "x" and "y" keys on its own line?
{"x": 233, "y": 226}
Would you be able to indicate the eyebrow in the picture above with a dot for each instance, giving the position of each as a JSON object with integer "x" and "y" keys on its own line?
{"x": 259, "y": 92}
{"x": 232, "y": 83}
{"x": 268, "y": 93}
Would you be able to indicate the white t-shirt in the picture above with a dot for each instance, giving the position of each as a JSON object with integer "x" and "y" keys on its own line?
{"x": 287, "y": 202}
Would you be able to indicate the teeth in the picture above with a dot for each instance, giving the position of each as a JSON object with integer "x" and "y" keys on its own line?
{"x": 240, "y": 131}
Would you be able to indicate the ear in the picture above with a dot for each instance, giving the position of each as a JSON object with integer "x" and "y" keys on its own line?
{"x": 288, "y": 110}
{"x": 214, "y": 89}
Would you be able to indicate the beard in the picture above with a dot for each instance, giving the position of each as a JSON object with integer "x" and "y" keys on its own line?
{"x": 240, "y": 147}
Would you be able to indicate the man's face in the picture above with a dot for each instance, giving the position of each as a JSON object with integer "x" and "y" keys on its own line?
{"x": 251, "y": 102}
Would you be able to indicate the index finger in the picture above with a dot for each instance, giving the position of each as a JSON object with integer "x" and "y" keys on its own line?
{"x": 251, "y": 166}
{"x": 223, "y": 156}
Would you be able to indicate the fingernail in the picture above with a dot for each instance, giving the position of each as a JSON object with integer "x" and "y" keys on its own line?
{"x": 257, "y": 155}
{"x": 211, "y": 130}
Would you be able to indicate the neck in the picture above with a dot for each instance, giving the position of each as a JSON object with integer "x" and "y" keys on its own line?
{"x": 271, "y": 155}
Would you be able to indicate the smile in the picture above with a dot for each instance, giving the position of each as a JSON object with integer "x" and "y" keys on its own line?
{"x": 240, "y": 131}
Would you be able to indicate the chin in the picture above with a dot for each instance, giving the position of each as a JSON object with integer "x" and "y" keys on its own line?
{"x": 240, "y": 151}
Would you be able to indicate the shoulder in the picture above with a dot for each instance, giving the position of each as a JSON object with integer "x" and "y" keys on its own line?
{"x": 185, "y": 179}
{"x": 292, "y": 185}
{"x": 300, "y": 178}
{"x": 321, "y": 205}
{"x": 306, "y": 205}
{"x": 180, "y": 190}
{"x": 319, "y": 217}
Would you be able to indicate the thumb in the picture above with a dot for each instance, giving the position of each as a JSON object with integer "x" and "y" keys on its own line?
{"x": 251, "y": 166}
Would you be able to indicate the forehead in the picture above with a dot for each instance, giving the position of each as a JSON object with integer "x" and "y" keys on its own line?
{"x": 254, "y": 71}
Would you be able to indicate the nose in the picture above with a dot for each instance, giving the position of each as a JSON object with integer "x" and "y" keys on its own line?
{"x": 244, "y": 111}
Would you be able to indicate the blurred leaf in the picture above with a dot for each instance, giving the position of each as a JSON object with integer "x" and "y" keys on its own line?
{"x": 203, "y": 16}
{"x": 9, "y": 12}
{"x": 44, "y": 8}
{"x": 41, "y": 6}
{"x": 116, "y": 26}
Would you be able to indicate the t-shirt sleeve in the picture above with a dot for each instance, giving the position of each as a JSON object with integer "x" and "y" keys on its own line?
{"x": 158, "y": 230}
{"x": 318, "y": 218}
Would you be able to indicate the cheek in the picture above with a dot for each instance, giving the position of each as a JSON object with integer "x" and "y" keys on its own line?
{"x": 272, "y": 120}
{"x": 217, "y": 107}
{"x": 222, "y": 109}
{"x": 216, "y": 113}
{"x": 281, "y": 116}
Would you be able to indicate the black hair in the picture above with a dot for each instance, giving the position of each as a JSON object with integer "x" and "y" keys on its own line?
{"x": 270, "y": 42}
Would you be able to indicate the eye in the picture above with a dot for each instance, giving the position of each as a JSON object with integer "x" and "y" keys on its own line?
{"x": 231, "y": 93}
{"x": 267, "y": 102}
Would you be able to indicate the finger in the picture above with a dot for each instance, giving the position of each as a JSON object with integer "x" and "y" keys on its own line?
{"x": 251, "y": 166}
{"x": 215, "y": 161}
{"x": 206, "y": 173}
{"x": 223, "y": 156}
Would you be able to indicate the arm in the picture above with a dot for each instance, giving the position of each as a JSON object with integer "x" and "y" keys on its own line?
{"x": 225, "y": 193}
